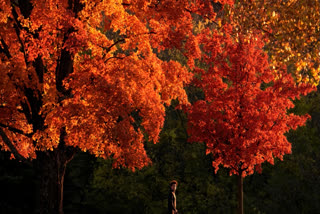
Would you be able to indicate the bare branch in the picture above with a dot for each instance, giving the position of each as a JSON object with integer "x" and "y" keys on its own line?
{"x": 109, "y": 48}
{"x": 114, "y": 57}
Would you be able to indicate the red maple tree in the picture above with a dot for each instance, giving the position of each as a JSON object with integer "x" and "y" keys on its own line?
{"x": 243, "y": 117}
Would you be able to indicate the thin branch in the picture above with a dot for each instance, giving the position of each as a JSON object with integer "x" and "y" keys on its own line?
{"x": 205, "y": 16}
{"x": 114, "y": 57}
{"x": 123, "y": 40}
{"x": 115, "y": 43}
{"x": 128, "y": 4}
{"x": 17, "y": 27}
{"x": 259, "y": 27}
{"x": 26, "y": 109}
{"x": 5, "y": 48}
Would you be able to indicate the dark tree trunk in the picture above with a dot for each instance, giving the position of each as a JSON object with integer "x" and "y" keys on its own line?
{"x": 240, "y": 194}
{"x": 51, "y": 167}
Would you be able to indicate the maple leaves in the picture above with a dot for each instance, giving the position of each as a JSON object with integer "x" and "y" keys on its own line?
{"x": 86, "y": 74}
{"x": 243, "y": 117}
{"x": 291, "y": 30}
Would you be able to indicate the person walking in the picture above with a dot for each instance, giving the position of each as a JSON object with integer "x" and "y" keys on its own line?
{"x": 172, "y": 199}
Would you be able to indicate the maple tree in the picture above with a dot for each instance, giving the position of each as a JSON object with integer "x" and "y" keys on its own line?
{"x": 291, "y": 31}
{"x": 243, "y": 117}
{"x": 85, "y": 75}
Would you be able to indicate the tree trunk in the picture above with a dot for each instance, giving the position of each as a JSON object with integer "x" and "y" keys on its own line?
{"x": 240, "y": 194}
{"x": 51, "y": 167}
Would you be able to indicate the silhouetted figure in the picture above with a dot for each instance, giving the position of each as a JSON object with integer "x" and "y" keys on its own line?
{"x": 172, "y": 199}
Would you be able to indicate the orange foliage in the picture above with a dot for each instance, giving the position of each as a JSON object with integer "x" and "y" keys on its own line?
{"x": 85, "y": 73}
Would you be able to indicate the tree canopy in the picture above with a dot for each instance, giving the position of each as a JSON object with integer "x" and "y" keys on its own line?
{"x": 243, "y": 116}
{"x": 86, "y": 73}
{"x": 291, "y": 31}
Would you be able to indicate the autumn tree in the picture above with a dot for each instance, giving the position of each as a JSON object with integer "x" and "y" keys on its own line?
{"x": 291, "y": 31}
{"x": 84, "y": 75}
{"x": 243, "y": 117}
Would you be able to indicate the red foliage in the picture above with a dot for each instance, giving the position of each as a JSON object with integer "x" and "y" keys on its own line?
{"x": 243, "y": 117}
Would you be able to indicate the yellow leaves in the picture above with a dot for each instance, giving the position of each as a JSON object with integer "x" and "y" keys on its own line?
{"x": 198, "y": 27}
{"x": 306, "y": 72}
{"x": 289, "y": 27}
{"x": 219, "y": 23}
{"x": 298, "y": 78}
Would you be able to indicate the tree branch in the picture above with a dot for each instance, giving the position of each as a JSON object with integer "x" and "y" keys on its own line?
{"x": 114, "y": 57}
{"x": 124, "y": 39}
{"x": 115, "y": 43}
{"x": 12, "y": 148}
{"x": 15, "y": 130}
{"x": 5, "y": 48}
{"x": 27, "y": 111}
{"x": 17, "y": 27}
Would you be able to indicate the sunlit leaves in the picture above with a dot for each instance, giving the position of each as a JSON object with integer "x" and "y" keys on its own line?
{"x": 291, "y": 29}
{"x": 243, "y": 117}
{"x": 87, "y": 74}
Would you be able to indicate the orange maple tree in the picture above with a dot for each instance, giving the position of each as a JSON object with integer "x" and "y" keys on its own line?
{"x": 85, "y": 75}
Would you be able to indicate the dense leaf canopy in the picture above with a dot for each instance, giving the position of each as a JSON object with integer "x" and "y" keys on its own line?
{"x": 243, "y": 116}
{"x": 86, "y": 73}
